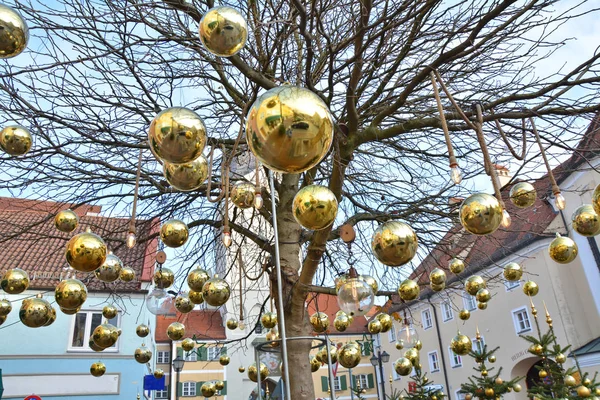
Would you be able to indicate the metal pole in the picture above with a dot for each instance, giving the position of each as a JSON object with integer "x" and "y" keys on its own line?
{"x": 381, "y": 372}
{"x": 351, "y": 388}
{"x": 331, "y": 385}
{"x": 257, "y": 356}
{"x": 282, "y": 334}
{"x": 177, "y": 387}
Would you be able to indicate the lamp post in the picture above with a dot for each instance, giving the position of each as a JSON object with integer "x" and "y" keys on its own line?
{"x": 178, "y": 364}
{"x": 380, "y": 358}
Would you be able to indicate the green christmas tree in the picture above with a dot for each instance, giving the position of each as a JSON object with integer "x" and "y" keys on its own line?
{"x": 422, "y": 388}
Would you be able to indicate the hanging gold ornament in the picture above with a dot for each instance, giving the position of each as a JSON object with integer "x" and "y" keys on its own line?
{"x": 418, "y": 345}
{"x": 319, "y": 322}
{"x": 208, "y": 389}
{"x": 480, "y": 214}
{"x": 315, "y": 364}
{"x": 409, "y": 290}
{"x": 412, "y": 355}
{"x": 583, "y": 391}
{"x": 187, "y": 176}
{"x": 437, "y": 276}
{"x": 374, "y": 327}
{"x": 437, "y": 288}
{"x": 174, "y": 233}
{"x": 523, "y": 194}
{"x": 560, "y": 358}
{"x": 142, "y": 330}
{"x": 464, "y": 314}
{"x": 176, "y": 331}
{"x": 14, "y": 33}
{"x": 513, "y": 272}
{"x": 224, "y": 360}
{"x": 400, "y": 344}
{"x": 570, "y": 380}
{"x": 269, "y": 320}
{"x": 482, "y": 306}
{"x": 386, "y": 322}
{"x": 66, "y": 221}
{"x": 394, "y": 243}
{"x": 403, "y": 366}
{"x": 216, "y": 292}
{"x": 220, "y": 385}
{"x": 543, "y": 373}
{"x": 586, "y": 221}
{"x": 517, "y": 388}
{"x": 232, "y": 324}
{"x": 51, "y": 317}
{"x": 489, "y": 392}
{"x": 241, "y": 369}
{"x": 163, "y": 278}
{"x": 15, "y": 281}
{"x": 333, "y": 354}
{"x": 461, "y": 344}
{"x": 341, "y": 322}
{"x": 127, "y": 274}
{"x": 473, "y": 284}
{"x": 158, "y": 373}
{"x": 109, "y": 312}
{"x": 273, "y": 336}
{"x": 86, "y": 252}
{"x": 289, "y": 129}
{"x": 110, "y": 270}
{"x": 368, "y": 279}
{"x": 315, "y": 207}
{"x": 97, "y": 369}
{"x": 188, "y": 344}
{"x": 35, "y": 313}
{"x": 197, "y": 278}
{"x": 563, "y": 249}
{"x": 14, "y": 140}
{"x": 94, "y": 346}
{"x": 242, "y": 195}
{"x": 196, "y": 297}
{"x": 70, "y": 311}
{"x": 5, "y": 307}
{"x": 456, "y": 265}
{"x": 530, "y": 288}
{"x": 223, "y": 31}
{"x": 142, "y": 354}
{"x": 177, "y": 135}
{"x": 106, "y": 335}
{"x": 483, "y": 295}
{"x": 183, "y": 304}
{"x": 253, "y": 373}
{"x": 349, "y": 355}
{"x": 340, "y": 281}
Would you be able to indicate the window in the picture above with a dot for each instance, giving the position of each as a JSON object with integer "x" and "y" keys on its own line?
{"x": 434, "y": 362}
{"x": 337, "y": 384}
{"x": 162, "y": 357}
{"x": 191, "y": 356}
{"x": 83, "y": 326}
{"x": 460, "y": 395}
{"x": 447, "y": 312}
{"x": 469, "y": 302}
{"x": 362, "y": 380}
{"x": 455, "y": 359}
{"x": 478, "y": 344}
{"x": 392, "y": 334}
{"x": 426, "y": 319}
{"x": 189, "y": 389}
{"x": 258, "y": 329}
{"x": 510, "y": 285}
{"x": 521, "y": 320}
{"x": 214, "y": 353}
{"x": 161, "y": 394}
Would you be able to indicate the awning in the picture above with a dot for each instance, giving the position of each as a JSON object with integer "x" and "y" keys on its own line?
{"x": 588, "y": 348}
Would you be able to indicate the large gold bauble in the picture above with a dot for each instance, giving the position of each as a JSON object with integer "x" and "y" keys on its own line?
{"x": 105, "y": 335}
{"x": 232, "y": 324}
{"x": 208, "y": 389}
{"x": 513, "y": 272}
{"x": 70, "y": 311}
{"x": 596, "y": 199}
{"x": 176, "y": 331}
{"x": 35, "y": 313}
{"x": 216, "y": 292}
{"x": 5, "y": 307}
{"x": 97, "y": 369}
{"x": 333, "y": 354}
{"x": 223, "y": 31}
{"x": 66, "y": 221}
{"x": 142, "y": 330}
{"x": 163, "y": 278}
{"x": 461, "y": 345}
{"x": 480, "y": 214}
{"x": 483, "y": 295}
{"x": 109, "y": 312}
{"x": 319, "y": 322}
{"x": 374, "y": 326}
{"x": 530, "y": 288}
{"x": 543, "y": 373}
{"x": 370, "y": 281}
{"x": 341, "y": 322}
{"x": 437, "y": 276}
{"x": 183, "y": 304}
{"x": 253, "y": 373}
{"x": 188, "y": 344}
{"x": 315, "y": 364}
{"x": 489, "y": 392}
{"x": 394, "y": 243}
{"x": 51, "y": 317}
{"x": 456, "y": 265}
{"x": 386, "y": 322}
{"x": 464, "y": 314}
{"x": 196, "y": 297}
{"x": 174, "y": 233}
{"x": 187, "y": 176}
{"x": 14, "y": 33}
{"x": 158, "y": 373}
{"x": 583, "y": 391}
{"x": 517, "y": 388}
{"x": 289, "y": 129}
{"x": 220, "y": 385}
{"x": 224, "y": 360}
{"x": 536, "y": 349}
{"x": 127, "y": 274}
{"x": 269, "y": 320}
{"x": 523, "y": 194}
{"x": 242, "y": 194}
{"x": 409, "y": 290}
{"x": 315, "y": 207}
{"x": 403, "y": 366}
{"x": 14, "y": 140}
{"x": 349, "y": 355}
{"x": 94, "y": 346}
{"x": 570, "y": 380}
{"x": 177, "y": 135}
{"x": 86, "y": 252}
{"x": 142, "y": 355}
{"x": 341, "y": 281}
{"x": 586, "y": 221}
{"x": 473, "y": 284}
{"x": 197, "y": 278}
{"x": 15, "y": 281}
{"x": 110, "y": 270}
{"x": 563, "y": 249}
{"x": 412, "y": 355}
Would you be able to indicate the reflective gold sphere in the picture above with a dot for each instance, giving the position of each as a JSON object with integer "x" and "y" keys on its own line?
{"x": 370, "y": 281}
{"x": 158, "y": 373}
{"x": 241, "y": 369}
{"x": 70, "y": 311}
{"x": 374, "y": 326}
{"x": 142, "y": 330}
{"x": 97, "y": 369}
{"x": 105, "y": 335}
{"x": 583, "y": 391}
{"x": 480, "y": 214}
{"x": 177, "y": 135}
{"x": 412, "y": 355}
{"x": 563, "y": 249}
{"x": 409, "y": 290}
{"x": 543, "y": 373}
{"x": 418, "y": 345}
{"x": 242, "y": 194}
{"x": 482, "y": 306}
{"x": 223, "y": 31}
{"x": 530, "y": 288}
{"x": 35, "y": 313}
{"x": 163, "y": 278}
{"x": 216, "y": 292}
{"x": 523, "y": 194}
{"x": 456, "y": 265}
{"x": 51, "y": 317}
{"x": 110, "y": 270}
{"x": 319, "y": 322}
{"x": 187, "y": 176}
{"x": 109, "y": 312}
{"x": 517, "y": 388}
{"x": 289, "y": 129}
{"x": 127, "y": 274}
{"x": 461, "y": 345}
{"x": 220, "y": 385}
{"x": 94, "y": 346}
{"x": 341, "y": 281}
{"x": 400, "y": 344}
{"x": 196, "y": 297}
{"x": 86, "y": 252}
{"x": 483, "y": 295}
{"x": 489, "y": 392}
{"x": 176, "y": 331}
{"x": 197, "y": 278}
{"x": 208, "y": 389}
{"x": 315, "y": 364}
{"x": 349, "y": 355}
{"x": 188, "y": 344}
{"x": 14, "y": 33}
{"x": 403, "y": 366}
{"x": 513, "y": 272}
{"x": 386, "y": 322}
{"x": 15, "y": 281}
{"x": 437, "y": 276}
{"x": 14, "y": 140}
{"x": 536, "y": 349}
{"x": 492, "y": 359}
{"x": 394, "y": 243}
{"x": 232, "y": 324}
{"x": 273, "y": 335}
{"x": 142, "y": 355}
{"x": 438, "y": 288}
{"x": 341, "y": 322}
{"x": 586, "y": 221}
{"x": 224, "y": 360}
{"x": 473, "y": 284}
{"x": 570, "y": 380}
{"x": 253, "y": 373}
{"x": 315, "y": 207}
{"x": 560, "y": 358}
{"x": 66, "y": 221}
{"x": 596, "y": 199}
{"x": 5, "y": 307}
{"x": 183, "y": 304}
{"x": 464, "y": 314}
{"x": 174, "y": 233}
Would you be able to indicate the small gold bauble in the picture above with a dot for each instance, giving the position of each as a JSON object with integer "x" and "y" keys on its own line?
{"x": 461, "y": 345}
{"x": 70, "y": 294}
{"x": 158, "y": 373}
{"x": 468, "y": 396}
{"x": 15, "y": 280}
{"x": 70, "y": 311}
{"x": 232, "y": 324}
{"x": 98, "y": 369}
{"x": 142, "y": 355}
{"x": 437, "y": 288}
{"x": 315, "y": 207}
{"x": 409, "y": 290}
{"x": 480, "y": 214}
{"x": 241, "y": 370}
{"x": 5, "y": 307}
{"x": 187, "y": 176}
{"x": 110, "y": 270}
{"x": 224, "y": 360}
{"x": 315, "y": 364}
{"x": 587, "y": 382}
{"x": 14, "y": 33}
{"x": 66, "y": 221}
{"x": 473, "y": 284}
{"x": 142, "y": 330}
{"x": 341, "y": 322}
{"x": 437, "y": 276}
{"x": 425, "y": 379}
{"x": 86, "y": 252}
{"x": 456, "y": 265}
{"x": 197, "y": 278}
{"x": 188, "y": 344}
{"x": 216, "y": 292}
{"x": 349, "y": 355}
{"x": 106, "y": 335}
{"x": 523, "y": 194}
{"x": 183, "y": 304}
{"x": 597, "y": 391}
{"x": 386, "y": 322}
{"x": 176, "y": 331}
{"x": 543, "y": 373}
{"x": 418, "y": 345}
{"x": 253, "y": 373}
{"x": 163, "y": 278}
{"x": 394, "y": 243}
{"x": 513, "y": 272}
{"x": 492, "y": 359}
{"x": 374, "y": 326}
{"x": 482, "y": 306}
{"x": 483, "y": 295}
{"x": 400, "y": 344}
{"x": 319, "y": 322}
{"x": 220, "y": 385}
{"x": 536, "y": 349}
{"x": 269, "y": 320}
{"x": 174, "y": 233}
{"x": 14, "y": 140}
{"x": 464, "y": 314}
{"x": 333, "y": 354}
{"x": 413, "y": 355}
{"x": 563, "y": 250}
{"x": 484, "y": 372}
{"x": 583, "y": 391}
{"x": 403, "y": 366}
{"x": 570, "y": 380}
{"x": 530, "y": 288}
{"x": 340, "y": 281}
{"x": 560, "y": 358}
{"x": 517, "y": 388}
{"x": 586, "y": 221}
{"x": 489, "y": 392}
{"x": 208, "y": 389}
{"x": 35, "y": 313}
{"x": 94, "y": 346}
{"x": 242, "y": 195}
{"x": 177, "y": 135}
{"x": 370, "y": 281}
{"x": 127, "y": 274}
{"x": 196, "y": 297}
{"x": 109, "y": 312}
{"x": 223, "y": 31}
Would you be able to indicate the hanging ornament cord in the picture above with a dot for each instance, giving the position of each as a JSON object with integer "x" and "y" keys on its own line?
{"x": 240, "y": 266}
{"x": 521, "y": 156}
{"x": 132, "y": 230}
{"x": 559, "y": 199}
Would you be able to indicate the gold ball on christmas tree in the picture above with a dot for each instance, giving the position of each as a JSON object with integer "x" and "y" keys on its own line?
{"x": 176, "y": 331}
{"x": 197, "y": 278}
{"x": 142, "y": 330}
{"x": 409, "y": 290}
{"x": 174, "y": 233}
{"x": 523, "y": 194}
{"x": 560, "y": 358}
{"x": 14, "y": 140}
{"x": 177, "y": 135}
{"x": 188, "y": 344}
{"x": 484, "y": 372}
{"x": 341, "y": 322}
{"x": 216, "y": 292}
{"x": 315, "y": 364}
{"x": 583, "y": 391}
{"x": 499, "y": 381}
{"x": 158, "y": 373}
{"x": 513, "y": 272}
{"x": 563, "y": 249}
{"x": 570, "y": 380}
{"x": 187, "y": 176}
{"x": 370, "y": 281}
{"x": 374, "y": 327}
{"x": 403, "y": 366}
{"x": 517, "y": 388}
{"x": 224, "y": 360}
{"x": 586, "y": 221}
{"x": 109, "y": 311}
{"x": 483, "y": 295}
{"x": 5, "y": 307}
{"x": 66, "y": 221}
{"x": 106, "y": 335}
{"x": 110, "y": 270}
{"x": 456, "y": 265}
{"x": 220, "y": 385}
{"x": 530, "y": 288}
{"x": 97, "y": 369}
{"x": 399, "y": 345}
{"x": 127, "y": 274}
{"x": 35, "y": 313}
{"x": 386, "y": 322}
{"x": 15, "y": 281}
{"x": 412, "y": 355}
{"x": 394, "y": 243}
{"x": 70, "y": 294}
{"x": 437, "y": 276}
{"x": 142, "y": 355}
{"x": 492, "y": 359}
{"x": 480, "y": 214}
{"x": 468, "y": 396}
{"x": 461, "y": 345}
{"x": 269, "y": 320}
{"x": 536, "y": 349}
{"x": 223, "y": 31}
{"x": 253, "y": 372}
{"x": 587, "y": 382}
{"x": 319, "y": 322}
{"x": 473, "y": 284}
{"x": 489, "y": 392}
{"x": 196, "y": 297}
{"x": 86, "y": 252}
{"x": 315, "y": 207}
{"x": 242, "y": 194}
{"x": 464, "y": 314}
{"x": 183, "y": 304}
{"x": 349, "y": 355}
{"x": 543, "y": 373}
{"x": 232, "y": 324}
{"x": 163, "y": 278}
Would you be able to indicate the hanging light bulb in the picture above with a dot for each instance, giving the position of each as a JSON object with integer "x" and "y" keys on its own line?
{"x": 355, "y": 297}
{"x": 506, "y": 220}
{"x": 559, "y": 201}
{"x": 258, "y": 200}
{"x": 456, "y": 174}
{"x": 226, "y": 238}
{"x": 242, "y": 326}
{"x": 409, "y": 336}
{"x": 158, "y": 302}
{"x": 131, "y": 240}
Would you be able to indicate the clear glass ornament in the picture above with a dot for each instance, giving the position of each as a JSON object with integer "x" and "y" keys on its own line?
{"x": 506, "y": 220}
{"x": 158, "y": 302}
{"x": 355, "y": 297}
{"x": 408, "y": 336}
{"x": 456, "y": 174}
{"x": 131, "y": 240}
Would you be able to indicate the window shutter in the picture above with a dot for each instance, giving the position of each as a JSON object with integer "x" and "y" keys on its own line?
{"x": 179, "y": 352}
{"x": 343, "y": 382}
{"x": 353, "y": 383}
{"x": 224, "y": 391}
{"x": 224, "y": 350}
{"x": 324, "y": 384}
{"x": 203, "y": 353}
{"x": 370, "y": 380}
{"x": 179, "y": 389}
{"x": 198, "y": 386}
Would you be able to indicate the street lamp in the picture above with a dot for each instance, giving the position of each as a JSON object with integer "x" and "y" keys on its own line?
{"x": 178, "y": 364}
{"x": 379, "y": 359}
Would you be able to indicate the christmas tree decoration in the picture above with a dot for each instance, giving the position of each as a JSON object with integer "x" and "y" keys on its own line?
{"x": 563, "y": 249}
{"x": 456, "y": 265}
{"x": 224, "y": 360}
{"x": 480, "y": 214}
{"x": 513, "y": 272}
{"x": 94, "y": 346}
{"x": 596, "y": 199}
{"x": 370, "y": 281}
{"x": 273, "y": 336}
{"x": 473, "y": 284}
{"x": 394, "y": 243}
{"x": 530, "y": 288}
{"x": 106, "y": 335}
{"x": 306, "y": 121}
{"x": 176, "y": 330}
{"x": 333, "y": 354}
{"x": 208, "y": 389}
{"x": 142, "y": 354}
{"x": 437, "y": 276}
{"x": 253, "y": 372}
{"x": 97, "y": 369}
{"x": 315, "y": 364}
{"x": 355, "y": 297}
{"x": 269, "y": 320}
{"x": 177, "y": 135}
{"x": 461, "y": 344}
{"x": 482, "y": 306}
{"x": 109, "y": 311}
{"x": 14, "y": 140}
{"x": 187, "y": 176}
{"x": 340, "y": 281}
{"x": 66, "y": 221}
{"x": 232, "y": 324}
{"x": 163, "y": 278}
{"x": 220, "y": 385}
{"x": 586, "y": 221}
{"x": 196, "y": 297}
{"x": 70, "y": 293}
{"x": 386, "y": 322}
{"x": 403, "y": 366}
{"x": 35, "y": 313}
{"x": 197, "y": 278}
{"x": 409, "y": 290}
{"x": 110, "y": 270}
{"x": 399, "y": 344}
{"x": 183, "y": 304}
{"x": 374, "y": 327}
{"x": 15, "y": 33}
{"x": 216, "y": 292}
{"x": 522, "y": 194}
{"x": 241, "y": 369}
{"x": 437, "y": 288}
{"x": 341, "y": 322}
{"x": 319, "y": 322}
{"x": 174, "y": 233}
{"x": 223, "y": 31}
{"x": 188, "y": 344}
{"x": 127, "y": 274}
{"x": 315, "y": 207}
{"x": 86, "y": 252}
{"x": 492, "y": 359}
{"x": 483, "y": 295}
{"x": 412, "y": 355}
{"x": 142, "y": 330}
{"x": 464, "y": 314}
{"x": 70, "y": 311}
{"x": 5, "y": 307}
{"x": 242, "y": 195}
{"x": 349, "y": 355}
{"x": 419, "y": 386}
{"x": 408, "y": 335}
{"x": 51, "y": 317}
{"x": 158, "y": 373}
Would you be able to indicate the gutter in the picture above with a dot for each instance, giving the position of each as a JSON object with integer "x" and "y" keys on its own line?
{"x": 442, "y": 352}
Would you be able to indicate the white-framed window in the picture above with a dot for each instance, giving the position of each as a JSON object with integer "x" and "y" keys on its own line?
{"x": 447, "y": 313}
{"x": 510, "y": 285}
{"x": 396, "y": 375}
{"x": 189, "y": 389}
{"x": 434, "y": 361}
{"x": 426, "y": 319}
{"x": 459, "y": 395}
{"x": 469, "y": 301}
{"x": 455, "y": 359}
{"x": 214, "y": 353}
{"x": 521, "y": 320}
{"x": 478, "y": 344}
{"x": 392, "y": 334}
{"x": 191, "y": 356}
{"x": 362, "y": 379}
{"x": 161, "y": 394}
{"x": 82, "y": 327}
{"x": 337, "y": 384}
{"x": 162, "y": 357}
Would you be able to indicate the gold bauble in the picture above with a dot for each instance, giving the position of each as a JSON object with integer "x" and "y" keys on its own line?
{"x": 242, "y": 194}
{"x": 158, "y": 373}
{"x": 174, "y": 233}
{"x": 86, "y": 252}
{"x": 513, "y": 272}
{"x": 484, "y": 372}
{"x": 394, "y": 243}
{"x": 223, "y": 31}
{"x": 560, "y": 358}
{"x": 438, "y": 288}
{"x": 586, "y": 221}
{"x": 14, "y": 33}
{"x": 596, "y": 199}
{"x": 374, "y": 327}
{"x": 14, "y": 140}
{"x": 370, "y": 281}
{"x": 142, "y": 355}
{"x": 461, "y": 345}
{"x": 543, "y": 373}
{"x": 94, "y": 346}
{"x": 418, "y": 345}
{"x": 97, "y": 369}
{"x": 386, "y": 322}
{"x": 208, "y": 389}
{"x": 530, "y": 288}
{"x": 105, "y": 335}
{"x": 224, "y": 360}
{"x": 5, "y": 307}
{"x": 480, "y": 214}
{"x": 536, "y": 349}
{"x": 188, "y": 344}
{"x": 163, "y": 278}
{"x": 437, "y": 276}
{"x": 319, "y": 322}
{"x": 403, "y": 366}
{"x": 232, "y": 324}
{"x": 109, "y": 312}
{"x": 587, "y": 382}
{"x": 197, "y": 278}
{"x": 523, "y": 194}
{"x": 220, "y": 385}
{"x": 253, "y": 373}
{"x": 583, "y": 391}
{"x": 517, "y": 388}
{"x": 570, "y": 380}
{"x": 315, "y": 364}
{"x": 183, "y": 304}
{"x": 482, "y": 306}
{"x": 412, "y": 355}
{"x": 333, "y": 354}
{"x": 177, "y": 135}
{"x": 315, "y": 207}
{"x": 563, "y": 250}
{"x": 468, "y": 396}
{"x": 273, "y": 336}
{"x": 241, "y": 370}
{"x": 341, "y": 322}
{"x": 489, "y": 392}
{"x": 196, "y": 297}
{"x": 66, "y": 221}
{"x": 187, "y": 176}
{"x": 70, "y": 311}
{"x": 15, "y": 280}
{"x": 464, "y": 314}
{"x": 473, "y": 284}
{"x": 492, "y": 359}
{"x": 216, "y": 292}
{"x": 142, "y": 330}
{"x": 349, "y": 355}
{"x": 269, "y": 320}
{"x": 483, "y": 295}
{"x": 456, "y": 265}
{"x": 289, "y": 129}
{"x": 341, "y": 281}
{"x": 110, "y": 270}
{"x": 127, "y": 274}
{"x": 35, "y": 313}
{"x": 176, "y": 331}
{"x": 409, "y": 290}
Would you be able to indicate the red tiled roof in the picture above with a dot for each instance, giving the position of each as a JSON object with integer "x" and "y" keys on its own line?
{"x": 328, "y": 304}
{"x": 29, "y": 240}
{"x": 204, "y": 324}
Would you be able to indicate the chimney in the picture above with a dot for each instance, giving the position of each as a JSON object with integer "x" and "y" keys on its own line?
{"x": 503, "y": 174}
